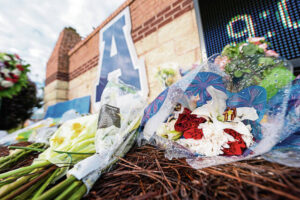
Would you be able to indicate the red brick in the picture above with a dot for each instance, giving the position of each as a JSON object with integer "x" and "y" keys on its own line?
{"x": 157, "y": 21}
{"x": 149, "y": 21}
{"x": 188, "y": 8}
{"x": 150, "y": 31}
{"x": 58, "y": 62}
{"x": 176, "y": 3}
{"x": 143, "y": 30}
{"x": 166, "y": 21}
{"x": 171, "y": 12}
{"x": 187, "y": 2}
{"x": 136, "y": 29}
{"x": 163, "y": 11}
{"x": 138, "y": 38}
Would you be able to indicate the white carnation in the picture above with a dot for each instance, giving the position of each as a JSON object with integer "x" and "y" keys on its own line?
{"x": 6, "y": 84}
{"x": 16, "y": 72}
{"x": 6, "y": 57}
{"x": 5, "y": 71}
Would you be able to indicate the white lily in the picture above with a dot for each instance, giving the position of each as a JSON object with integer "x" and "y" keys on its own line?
{"x": 214, "y": 138}
{"x": 6, "y": 84}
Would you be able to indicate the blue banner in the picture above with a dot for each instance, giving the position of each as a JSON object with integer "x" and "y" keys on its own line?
{"x": 80, "y": 105}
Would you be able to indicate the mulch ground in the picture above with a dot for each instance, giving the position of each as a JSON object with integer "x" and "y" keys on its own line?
{"x": 4, "y": 151}
{"x": 144, "y": 173}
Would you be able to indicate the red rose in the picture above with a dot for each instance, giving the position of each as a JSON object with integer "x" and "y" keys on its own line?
{"x": 14, "y": 80}
{"x": 198, "y": 120}
{"x": 182, "y": 126}
{"x": 14, "y": 76}
{"x": 186, "y": 111}
{"x": 186, "y": 120}
{"x": 193, "y": 133}
{"x": 237, "y": 147}
{"x": 20, "y": 67}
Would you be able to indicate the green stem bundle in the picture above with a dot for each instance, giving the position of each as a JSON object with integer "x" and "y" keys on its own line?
{"x": 29, "y": 184}
{"x": 53, "y": 192}
{"x": 24, "y": 169}
{"x": 45, "y": 185}
{"x": 15, "y": 156}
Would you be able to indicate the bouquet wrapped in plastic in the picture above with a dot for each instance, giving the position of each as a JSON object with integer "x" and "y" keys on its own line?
{"x": 121, "y": 110}
{"x": 45, "y": 127}
{"x": 215, "y": 116}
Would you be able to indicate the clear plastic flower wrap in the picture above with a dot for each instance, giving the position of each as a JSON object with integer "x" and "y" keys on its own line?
{"x": 287, "y": 151}
{"x": 121, "y": 110}
{"x": 28, "y": 132}
{"x": 210, "y": 120}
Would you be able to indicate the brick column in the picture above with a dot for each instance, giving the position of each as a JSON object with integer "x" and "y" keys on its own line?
{"x": 57, "y": 72}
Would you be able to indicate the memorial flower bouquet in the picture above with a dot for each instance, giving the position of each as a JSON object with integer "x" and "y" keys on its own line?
{"x": 121, "y": 110}
{"x": 252, "y": 63}
{"x": 213, "y": 116}
{"x": 12, "y": 74}
{"x": 102, "y": 139}
{"x": 72, "y": 142}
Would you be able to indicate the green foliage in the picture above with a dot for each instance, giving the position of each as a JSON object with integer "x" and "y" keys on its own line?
{"x": 249, "y": 64}
{"x": 277, "y": 78}
{"x": 230, "y": 51}
{"x": 251, "y": 50}
{"x": 14, "y": 111}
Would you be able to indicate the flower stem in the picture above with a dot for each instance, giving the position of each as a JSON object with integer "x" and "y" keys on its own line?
{"x": 53, "y": 192}
{"x": 27, "y": 148}
{"x": 6, "y": 189}
{"x": 68, "y": 192}
{"x": 79, "y": 193}
{"x": 29, "y": 184}
{"x": 29, "y": 192}
{"x": 28, "y": 168}
{"x": 45, "y": 185}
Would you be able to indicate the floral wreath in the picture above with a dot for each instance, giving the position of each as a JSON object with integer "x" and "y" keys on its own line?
{"x": 13, "y": 74}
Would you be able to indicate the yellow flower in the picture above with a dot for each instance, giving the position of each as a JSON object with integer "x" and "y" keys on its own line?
{"x": 77, "y": 128}
{"x": 19, "y": 137}
{"x": 58, "y": 140}
{"x": 53, "y": 124}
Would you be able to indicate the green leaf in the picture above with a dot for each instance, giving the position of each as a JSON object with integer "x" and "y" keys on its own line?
{"x": 174, "y": 135}
{"x": 266, "y": 61}
{"x": 230, "y": 51}
{"x": 251, "y": 50}
{"x": 238, "y": 74}
{"x": 276, "y": 79}
{"x": 247, "y": 71}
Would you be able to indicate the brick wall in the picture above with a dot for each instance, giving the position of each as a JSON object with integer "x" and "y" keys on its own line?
{"x": 162, "y": 30}
{"x": 57, "y": 74}
{"x": 148, "y": 16}
{"x": 58, "y": 63}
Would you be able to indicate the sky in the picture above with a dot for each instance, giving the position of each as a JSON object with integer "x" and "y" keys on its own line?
{"x": 30, "y": 28}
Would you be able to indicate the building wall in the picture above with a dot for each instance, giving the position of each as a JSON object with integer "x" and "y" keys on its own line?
{"x": 57, "y": 71}
{"x": 163, "y": 31}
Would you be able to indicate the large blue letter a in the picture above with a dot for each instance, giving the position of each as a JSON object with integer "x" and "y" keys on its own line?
{"x": 116, "y": 55}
